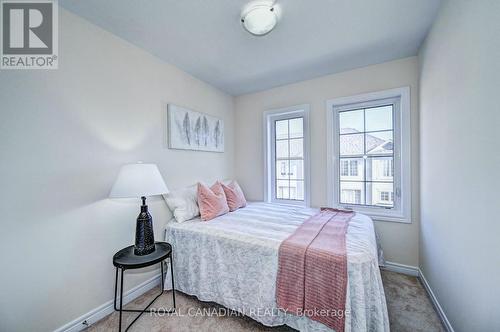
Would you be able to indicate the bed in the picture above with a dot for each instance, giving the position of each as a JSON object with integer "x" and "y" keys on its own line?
{"x": 233, "y": 260}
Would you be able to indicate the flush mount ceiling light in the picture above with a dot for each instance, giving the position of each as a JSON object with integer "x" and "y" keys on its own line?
{"x": 259, "y": 17}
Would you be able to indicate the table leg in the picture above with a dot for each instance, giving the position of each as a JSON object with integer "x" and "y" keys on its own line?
{"x": 121, "y": 301}
{"x": 146, "y": 309}
{"x": 162, "y": 276}
{"x": 116, "y": 289}
{"x": 172, "y": 275}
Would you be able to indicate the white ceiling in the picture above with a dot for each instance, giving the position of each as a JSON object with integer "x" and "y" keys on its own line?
{"x": 313, "y": 37}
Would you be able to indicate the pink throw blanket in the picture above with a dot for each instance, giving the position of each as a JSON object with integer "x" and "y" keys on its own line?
{"x": 312, "y": 271}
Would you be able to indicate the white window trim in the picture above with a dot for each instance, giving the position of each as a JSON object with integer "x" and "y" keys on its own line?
{"x": 299, "y": 110}
{"x": 403, "y": 214}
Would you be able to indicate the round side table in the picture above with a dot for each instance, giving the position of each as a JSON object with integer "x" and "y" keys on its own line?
{"x": 125, "y": 259}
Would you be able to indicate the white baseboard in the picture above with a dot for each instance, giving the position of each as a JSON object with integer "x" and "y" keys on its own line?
{"x": 107, "y": 308}
{"x": 401, "y": 268}
{"x": 434, "y": 300}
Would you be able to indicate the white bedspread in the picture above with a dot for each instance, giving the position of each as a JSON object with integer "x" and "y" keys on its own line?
{"x": 233, "y": 260}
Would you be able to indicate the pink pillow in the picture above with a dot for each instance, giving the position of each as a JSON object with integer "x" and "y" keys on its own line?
{"x": 234, "y": 194}
{"x": 212, "y": 201}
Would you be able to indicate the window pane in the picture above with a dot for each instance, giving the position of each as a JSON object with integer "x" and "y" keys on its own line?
{"x": 351, "y": 144}
{"x": 352, "y": 192}
{"x": 282, "y": 169}
{"x": 296, "y": 148}
{"x": 380, "y": 169}
{"x": 282, "y": 149}
{"x": 379, "y": 143}
{"x": 376, "y": 194}
{"x": 352, "y": 169}
{"x": 282, "y": 189}
{"x": 288, "y": 154}
{"x": 297, "y": 190}
{"x": 378, "y": 118}
{"x": 296, "y": 170}
{"x": 281, "y": 129}
{"x": 297, "y": 128}
{"x": 344, "y": 167}
{"x": 351, "y": 122}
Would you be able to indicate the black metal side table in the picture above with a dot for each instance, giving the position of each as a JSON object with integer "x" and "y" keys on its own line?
{"x": 125, "y": 259}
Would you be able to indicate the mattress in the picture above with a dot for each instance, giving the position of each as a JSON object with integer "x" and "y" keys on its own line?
{"x": 233, "y": 260}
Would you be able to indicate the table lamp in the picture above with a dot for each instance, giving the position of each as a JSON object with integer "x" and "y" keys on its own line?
{"x": 140, "y": 180}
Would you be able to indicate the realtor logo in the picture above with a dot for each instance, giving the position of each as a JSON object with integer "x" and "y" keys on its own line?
{"x": 29, "y": 34}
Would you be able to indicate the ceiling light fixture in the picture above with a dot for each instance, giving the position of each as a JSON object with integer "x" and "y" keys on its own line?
{"x": 259, "y": 17}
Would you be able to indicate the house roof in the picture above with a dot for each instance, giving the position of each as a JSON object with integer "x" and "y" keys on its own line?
{"x": 353, "y": 143}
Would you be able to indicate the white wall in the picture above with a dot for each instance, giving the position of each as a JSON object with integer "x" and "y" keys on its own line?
{"x": 460, "y": 162}
{"x": 400, "y": 241}
{"x": 63, "y": 136}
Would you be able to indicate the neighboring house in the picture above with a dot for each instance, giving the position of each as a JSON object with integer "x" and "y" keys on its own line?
{"x": 295, "y": 171}
{"x": 375, "y": 167}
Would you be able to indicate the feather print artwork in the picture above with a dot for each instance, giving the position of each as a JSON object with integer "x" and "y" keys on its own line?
{"x": 190, "y": 130}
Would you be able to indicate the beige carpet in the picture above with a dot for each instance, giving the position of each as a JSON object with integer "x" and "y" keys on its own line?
{"x": 409, "y": 310}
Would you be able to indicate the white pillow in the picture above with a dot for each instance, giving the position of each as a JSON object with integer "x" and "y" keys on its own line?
{"x": 183, "y": 203}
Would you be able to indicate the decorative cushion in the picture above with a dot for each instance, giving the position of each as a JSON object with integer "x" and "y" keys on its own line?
{"x": 234, "y": 195}
{"x": 183, "y": 203}
{"x": 211, "y": 201}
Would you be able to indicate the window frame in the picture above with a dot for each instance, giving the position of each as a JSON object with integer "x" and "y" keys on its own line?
{"x": 270, "y": 117}
{"x": 402, "y": 155}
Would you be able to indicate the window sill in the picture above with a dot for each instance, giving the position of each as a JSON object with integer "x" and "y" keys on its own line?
{"x": 398, "y": 219}
{"x": 393, "y": 216}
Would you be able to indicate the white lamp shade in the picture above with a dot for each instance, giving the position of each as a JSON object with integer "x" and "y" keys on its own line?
{"x": 136, "y": 180}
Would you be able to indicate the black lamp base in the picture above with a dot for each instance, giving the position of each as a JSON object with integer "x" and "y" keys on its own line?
{"x": 144, "y": 251}
{"x": 144, "y": 235}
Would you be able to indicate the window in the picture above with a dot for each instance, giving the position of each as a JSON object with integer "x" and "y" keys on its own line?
{"x": 368, "y": 145}
{"x": 351, "y": 196}
{"x": 349, "y": 167}
{"x": 287, "y": 155}
{"x": 367, "y": 133}
{"x": 344, "y": 168}
{"x": 353, "y": 167}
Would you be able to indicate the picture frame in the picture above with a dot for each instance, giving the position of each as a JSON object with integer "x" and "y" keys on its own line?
{"x": 196, "y": 131}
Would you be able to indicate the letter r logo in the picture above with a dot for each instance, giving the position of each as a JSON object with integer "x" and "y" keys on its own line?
{"x": 27, "y": 27}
